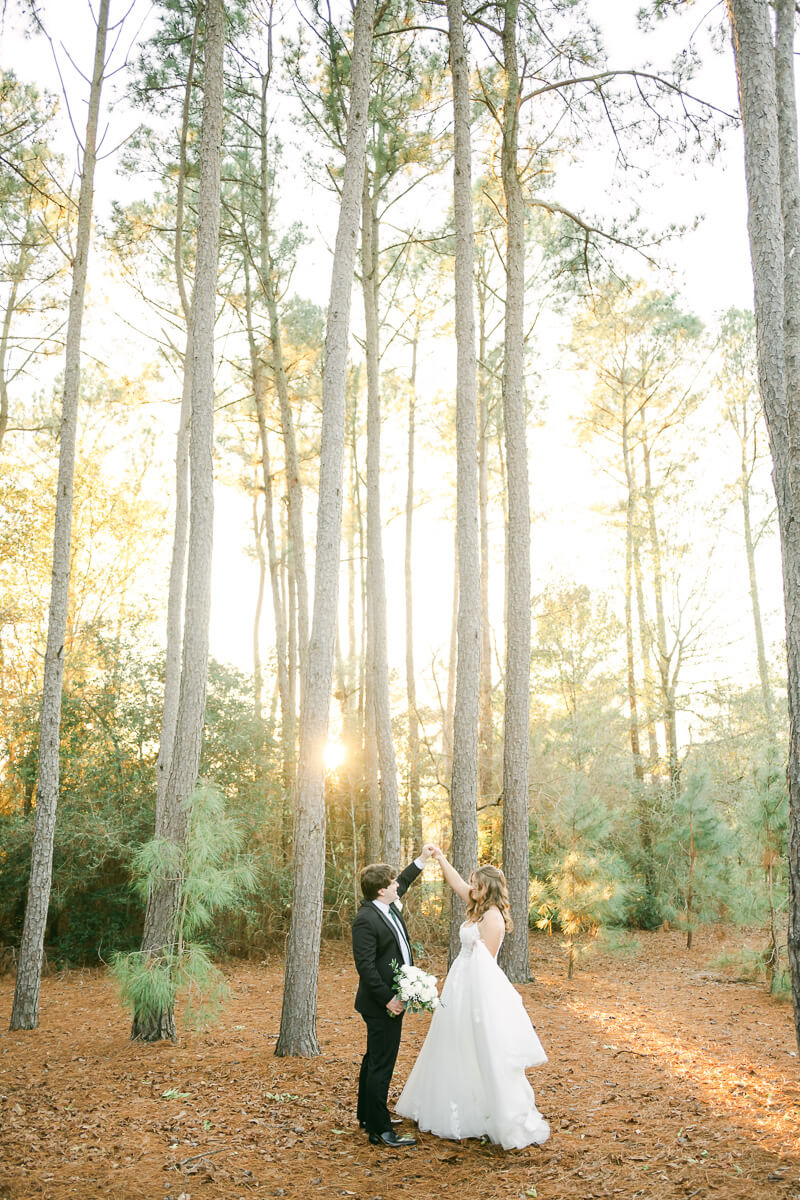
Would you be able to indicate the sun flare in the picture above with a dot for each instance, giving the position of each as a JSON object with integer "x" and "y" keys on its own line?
{"x": 333, "y": 755}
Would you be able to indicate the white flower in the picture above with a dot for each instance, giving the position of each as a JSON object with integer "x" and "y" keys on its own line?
{"x": 416, "y": 988}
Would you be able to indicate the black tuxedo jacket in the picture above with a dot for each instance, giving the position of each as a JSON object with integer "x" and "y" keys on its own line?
{"x": 375, "y": 944}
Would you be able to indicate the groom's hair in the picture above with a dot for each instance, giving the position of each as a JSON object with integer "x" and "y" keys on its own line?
{"x": 375, "y": 878}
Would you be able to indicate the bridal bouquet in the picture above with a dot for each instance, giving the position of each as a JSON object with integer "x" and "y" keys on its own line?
{"x": 416, "y": 988}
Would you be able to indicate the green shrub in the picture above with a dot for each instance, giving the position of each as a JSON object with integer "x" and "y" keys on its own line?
{"x": 216, "y": 874}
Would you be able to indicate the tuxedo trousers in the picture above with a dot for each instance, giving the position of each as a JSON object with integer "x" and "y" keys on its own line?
{"x": 375, "y": 1076}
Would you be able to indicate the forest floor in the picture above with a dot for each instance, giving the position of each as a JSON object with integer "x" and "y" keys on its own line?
{"x": 666, "y": 1079}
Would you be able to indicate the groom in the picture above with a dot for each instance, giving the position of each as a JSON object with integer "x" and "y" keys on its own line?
{"x": 379, "y": 937}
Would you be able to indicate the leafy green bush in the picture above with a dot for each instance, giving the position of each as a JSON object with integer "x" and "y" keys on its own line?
{"x": 645, "y": 910}
{"x": 585, "y": 886}
{"x": 216, "y": 874}
{"x": 109, "y": 742}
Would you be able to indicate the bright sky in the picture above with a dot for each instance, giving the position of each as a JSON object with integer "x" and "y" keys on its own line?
{"x": 570, "y": 537}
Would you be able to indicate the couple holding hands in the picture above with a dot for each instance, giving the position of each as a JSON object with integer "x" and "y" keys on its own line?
{"x": 469, "y": 1077}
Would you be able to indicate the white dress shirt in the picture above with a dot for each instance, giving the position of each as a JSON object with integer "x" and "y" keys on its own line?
{"x": 400, "y": 934}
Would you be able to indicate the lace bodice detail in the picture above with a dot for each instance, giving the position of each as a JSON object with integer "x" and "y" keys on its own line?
{"x": 470, "y": 935}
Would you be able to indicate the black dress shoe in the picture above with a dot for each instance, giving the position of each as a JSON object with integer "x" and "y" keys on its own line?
{"x": 390, "y": 1138}
{"x": 394, "y": 1120}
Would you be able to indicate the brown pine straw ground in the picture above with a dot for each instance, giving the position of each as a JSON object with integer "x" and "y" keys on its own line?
{"x": 666, "y": 1079}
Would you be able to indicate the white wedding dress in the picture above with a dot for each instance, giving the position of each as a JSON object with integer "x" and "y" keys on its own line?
{"x": 469, "y": 1078}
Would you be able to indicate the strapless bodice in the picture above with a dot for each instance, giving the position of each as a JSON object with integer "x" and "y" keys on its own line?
{"x": 470, "y": 935}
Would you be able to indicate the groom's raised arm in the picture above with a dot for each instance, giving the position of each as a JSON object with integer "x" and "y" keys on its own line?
{"x": 413, "y": 870}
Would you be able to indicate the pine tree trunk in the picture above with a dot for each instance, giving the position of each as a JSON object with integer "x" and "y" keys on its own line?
{"x": 633, "y": 706}
{"x": 25, "y": 1011}
{"x": 464, "y": 787}
{"x": 288, "y": 712}
{"x": 414, "y": 802}
{"x": 294, "y": 490}
{"x": 755, "y": 602}
{"x": 486, "y": 781}
{"x": 645, "y": 639}
{"x": 4, "y": 336}
{"x": 645, "y": 790}
{"x": 164, "y": 902}
{"x": 290, "y": 621}
{"x": 288, "y": 716}
{"x": 361, "y": 574}
{"x": 450, "y": 698}
{"x": 353, "y": 655}
{"x": 665, "y": 671}
{"x": 516, "y": 723}
{"x": 298, "y": 1033}
{"x": 758, "y": 101}
{"x": 290, "y": 614}
{"x": 790, "y": 211}
{"x": 365, "y": 711}
{"x": 690, "y": 886}
{"x": 351, "y": 713}
{"x": 258, "y": 673}
{"x": 180, "y": 533}
{"x": 372, "y": 791}
{"x": 376, "y": 576}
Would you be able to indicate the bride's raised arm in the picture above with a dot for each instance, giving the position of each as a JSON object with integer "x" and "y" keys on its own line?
{"x": 452, "y": 877}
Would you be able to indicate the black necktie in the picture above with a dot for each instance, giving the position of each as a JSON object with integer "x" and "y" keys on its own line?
{"x": 398, "y": 924}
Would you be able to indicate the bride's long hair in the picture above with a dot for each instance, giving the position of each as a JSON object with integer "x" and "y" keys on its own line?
{"x": 490, "y": 884}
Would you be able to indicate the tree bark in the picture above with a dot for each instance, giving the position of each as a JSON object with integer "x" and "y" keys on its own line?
{"x": 516, "y": 723}
{"x": 645, "y": 635}
{"x": 372, "y": 791}
{"x": 25, "y": 1011}
{"x": 790, "y": 211}
{"x": 448, "y": 713}
{"x": 258, "y": 673}
{"x": 414, "y": 802}
{"x": 464, "y": 786}
{"x": 353, "y": 649}
{"x": 290, "y": 617}
{"x": 164, "y": 902}
{"x": 294, "y": 490}
{"x": 298, "y": 1034}
{"x": 645, "y": 791}
{"x": 4, "y": 336}
{"x": 665, "y": 668}
{"x": 754, "y": 52}
{"x": 351, "y": 724}
{"x": 288, "y": 711}
{"x": 636, "y": 752}
{"x": 180, "y": 533}
{"x": 486, "y": 780}
{"x": 288, "y": 716}
{"x": 376, "y": 574}
{"x": 752, "y": 579}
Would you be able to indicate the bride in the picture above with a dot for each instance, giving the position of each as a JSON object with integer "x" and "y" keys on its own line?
{"x": 469, "y": 1078}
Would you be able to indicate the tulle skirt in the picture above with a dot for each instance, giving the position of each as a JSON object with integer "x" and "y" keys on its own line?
{"x": 469, "y": 1078}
